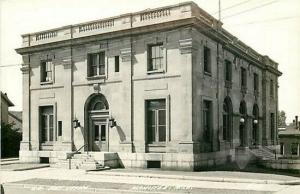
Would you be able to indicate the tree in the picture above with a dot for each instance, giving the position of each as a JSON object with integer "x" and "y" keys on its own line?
{"x": 10, "y": 141}
{"x": 281, "y": 119}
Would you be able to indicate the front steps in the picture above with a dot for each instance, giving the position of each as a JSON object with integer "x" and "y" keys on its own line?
{"x": 89, "y": 161}
{"x": 262, "y": 153}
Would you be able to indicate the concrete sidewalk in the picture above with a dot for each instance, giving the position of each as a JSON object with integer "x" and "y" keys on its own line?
{"x": 213, "y": 176}
{"x": 147, "y": 180}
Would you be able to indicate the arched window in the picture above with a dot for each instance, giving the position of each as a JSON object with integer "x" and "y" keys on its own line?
{"x": 227, "y": 118}
{"x": 99, "y": 106}
{"x": 97, "y": 103}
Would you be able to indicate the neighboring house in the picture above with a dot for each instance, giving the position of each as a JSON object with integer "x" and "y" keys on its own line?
{"x": 166, "y": 86}
{"x": 15, "y": 117}
{"x": 290, "y": 140}
{"x": 5, "y": 103}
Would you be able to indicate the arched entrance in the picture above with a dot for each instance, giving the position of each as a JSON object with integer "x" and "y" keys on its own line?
{"x": 227, "y": 120}
{"x": 243, "y": 123}
{"x": 255, "y": 127}
{"x": 96, "y": 123}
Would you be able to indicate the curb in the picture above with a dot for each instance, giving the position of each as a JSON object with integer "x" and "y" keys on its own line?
{"x": 197, "y": 178}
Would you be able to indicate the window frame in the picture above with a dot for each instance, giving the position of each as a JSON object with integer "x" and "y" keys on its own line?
{"x": 295, "y": 148}
{"x": 228, "y": 74}
{"x": 47, "y": 131}
{"x": 207, "y": 69}
{"x": 243, "y": 78}
{"x": 44, "y": 72}
{"x": 102, "y": 63}
{"x": 271, "y": 88}
{"x": 157, "y": 124}
{"x": 255, "y": 82}
{"x": 207, "y": 130}
{"x": 117, "y": 64}
{"x": 150, "y": 68}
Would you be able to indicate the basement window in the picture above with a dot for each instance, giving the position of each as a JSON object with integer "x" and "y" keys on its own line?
{"x": 154, "y": 164}
{"x": 44, "y": 160}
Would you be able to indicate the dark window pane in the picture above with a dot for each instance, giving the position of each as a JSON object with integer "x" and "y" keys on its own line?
{"x": 162, "y": 117}
{"x": 151, "y": 117}
{"x": 117, "y": 64}
{"x": 96, "y": 128}
{"x": 151, "y": 134}
{"x": 51, "y": 128}
{"x": 103, "y": 132}
{"x": 206, "y": 54}
{"x": 59, "y": 128}
{"x": 162, "y": 133}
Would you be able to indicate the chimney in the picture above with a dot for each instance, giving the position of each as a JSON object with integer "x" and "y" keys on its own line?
{"x": 296, "y": 120}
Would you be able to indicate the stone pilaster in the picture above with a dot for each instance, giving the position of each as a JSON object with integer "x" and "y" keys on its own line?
{"x": 26, "y": 133}
{"x": 126, "y": 58}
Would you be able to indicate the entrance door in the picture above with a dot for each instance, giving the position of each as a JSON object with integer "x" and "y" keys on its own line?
{"x": 99, "y": 138}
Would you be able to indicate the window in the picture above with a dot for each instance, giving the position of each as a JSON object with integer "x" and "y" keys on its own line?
{"x": 155, "y": 54}
{"x": 255, "y": 82}
{"x": 156, "y": 120}
{"x": 294, "y": 149}
{"x": 272, "y": 126}
{"x": 47, "y": 71}
{"x": 227, "y": 116}
{"x": 243, "y": 77}
{"x": 228, "y": 71}
{"x": 46, "y": 120}
{"x": 207, "y": 120}
{"x": 96, "y": 64}
{"x": 282, "y": 148}
{"x": 59, "y": 126}
{"x": 271, "y": 88}
{"x": 117, "y": 63}
{"x": 207, "y": 60}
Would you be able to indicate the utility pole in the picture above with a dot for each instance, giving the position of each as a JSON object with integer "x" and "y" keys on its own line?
{"x": 219, "y": 10}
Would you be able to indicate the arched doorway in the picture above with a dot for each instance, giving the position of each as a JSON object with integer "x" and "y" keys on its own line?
{"x": 227, "y": 120}
{"x": 243, "y": 123}
{"x": 96, "y": 123}
{"x": 255, "y": 127}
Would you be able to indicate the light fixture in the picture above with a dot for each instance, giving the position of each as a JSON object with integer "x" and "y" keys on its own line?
{"x": 76, "y": 123}
{"x": 255, "y": 121}
{"x": 242, "y": 120}
{"x": 112, "y": 122}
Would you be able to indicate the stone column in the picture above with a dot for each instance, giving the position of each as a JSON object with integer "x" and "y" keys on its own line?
{"x": 25, "y": 143}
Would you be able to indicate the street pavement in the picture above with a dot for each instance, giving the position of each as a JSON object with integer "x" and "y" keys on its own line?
{"x": 153, "y": 181}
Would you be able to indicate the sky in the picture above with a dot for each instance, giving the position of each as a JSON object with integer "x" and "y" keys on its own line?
{"x": 271, "y": 27}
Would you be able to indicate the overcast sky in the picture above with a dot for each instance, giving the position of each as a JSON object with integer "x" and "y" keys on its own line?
{"x": 271, "y": 27}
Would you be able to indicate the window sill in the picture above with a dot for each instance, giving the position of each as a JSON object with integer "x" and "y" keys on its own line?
{"x": 47, "y": 143}
{"x": 156, "y": 144}
{"x": 96, "y": 77}
{"x": 207, "y": 73}
{"x": 47, "y": 83}
{"x": 156, "y": 71}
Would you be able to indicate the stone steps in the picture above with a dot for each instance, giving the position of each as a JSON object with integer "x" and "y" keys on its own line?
{"x": 80, "y": 161}
{"x": 263, "y": 154}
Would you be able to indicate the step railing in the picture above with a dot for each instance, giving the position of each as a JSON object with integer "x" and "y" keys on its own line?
{"x": 70, "y": 155}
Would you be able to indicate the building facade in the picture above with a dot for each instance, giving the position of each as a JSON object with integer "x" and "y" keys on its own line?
{"x": 5, "y": 103}
{"x": 289, "y": 140}
{"x": 166, "y": 85}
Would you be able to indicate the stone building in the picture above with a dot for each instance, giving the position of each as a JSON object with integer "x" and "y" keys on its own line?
{"x": 289, "y": 140}
{"x": 5, "y": 103}
{"x": 167, "y": 87}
